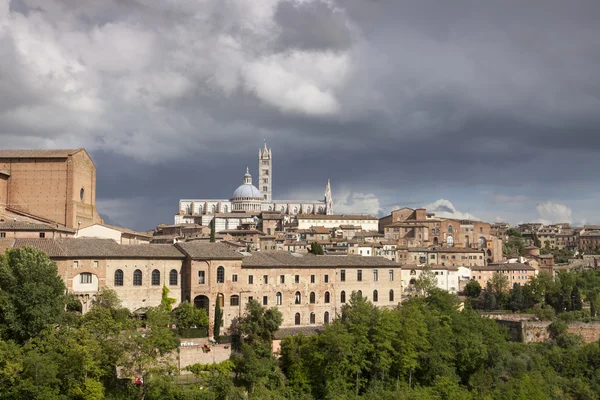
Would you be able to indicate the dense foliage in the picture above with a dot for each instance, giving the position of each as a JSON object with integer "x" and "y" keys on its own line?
{"x": 544, "y": 295}
{"x": 424, "y": 349}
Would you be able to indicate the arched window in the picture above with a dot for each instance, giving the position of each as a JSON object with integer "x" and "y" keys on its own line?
{"x": 326, "y": 297}
{"x": 173, "y": 277}
{"x": 312, "y": 298}
{"x": 312, "y": 317}
{"x": 449, "y": 228}
{"x": 214, "y": 208}
{"x": 220, "y": 275}
{"x": 234, "y": 300}
{"x": 297, "y": 319}
{"x": 359, "y": 293}
{"x": 118, "y": 277}
{"x": 295, "y": 210}
{"x": 481, "y": 242}
{"x": 298, "y": 299}
{"x": 391, "y": 295}
{"x": 278, "y": 298}
{"x": 326, "y": 317}
{"x": 155, "y": 277}
{"x": 343, "y": 297}
{"x": 450, "y": 241}
{"x": 225, "y": 209}
{"x": 489, "y": 253}
{"x": 137, "y": 278}
{"x": 375, "y": 296}
{"x": 81, "y": 194}
{"x": 412, "y": 281}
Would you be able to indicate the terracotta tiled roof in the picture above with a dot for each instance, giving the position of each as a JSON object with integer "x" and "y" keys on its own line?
{"x": 208, "y": 251}
{"x": 126, "y": 230}
{"x": 37, "y": 153}
{"x": 29, "y": 226}
{"x": 48, "y": 246}
{"x": 98, "y": 248}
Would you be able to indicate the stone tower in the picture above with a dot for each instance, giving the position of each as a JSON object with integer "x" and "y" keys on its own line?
{"x": 328, "y": 199}
{"x": 265, "y": 173}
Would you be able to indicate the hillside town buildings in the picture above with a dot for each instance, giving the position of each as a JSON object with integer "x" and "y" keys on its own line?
{"x": 263, "y": 245}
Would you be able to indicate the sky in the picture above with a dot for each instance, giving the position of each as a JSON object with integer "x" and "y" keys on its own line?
{"x": 481, "y": 109}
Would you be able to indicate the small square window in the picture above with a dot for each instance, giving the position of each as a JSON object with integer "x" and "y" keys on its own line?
{"x": 42, "y": 234}
{"x": 281, "y": 278}
{"x": 2, "y": 234}
{"x": 265, "y": 279}
{"x": 312, "y": 279}
{"x": 265, "y": 300}
{"x": 234, "y": 278}
{"x": 297, "y": 278}
{"x": 326, "y": 279}
{"x": 96, "y": 264}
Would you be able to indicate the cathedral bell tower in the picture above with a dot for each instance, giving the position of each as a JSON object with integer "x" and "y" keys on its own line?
{"x": 265, "y": 173}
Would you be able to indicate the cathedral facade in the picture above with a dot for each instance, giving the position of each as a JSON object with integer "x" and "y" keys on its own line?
{"x": 249, "y": 201}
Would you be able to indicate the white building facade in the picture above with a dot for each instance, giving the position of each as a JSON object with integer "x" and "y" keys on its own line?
{"x": 249, "y": 199}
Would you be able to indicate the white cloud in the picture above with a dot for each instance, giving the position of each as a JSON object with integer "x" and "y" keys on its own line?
{"x": 348, "y": 202}
{"x": 144, "y": 78}
{"x": 445, "y": 209}
{"x": 298, "y": 81}
{"x": 551, "y": 213}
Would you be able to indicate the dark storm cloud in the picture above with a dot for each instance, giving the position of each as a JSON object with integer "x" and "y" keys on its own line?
{"x": 311, "y": 26}
{"x": 391, "y": 97}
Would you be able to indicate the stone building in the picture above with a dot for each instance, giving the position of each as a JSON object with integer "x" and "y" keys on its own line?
{"x": 136, "y": 273}
{"x": 117, "y": 233}
{"x": 307, "y": 289}
{"x": 365, "y": 222}
{"x": 52, "y": 186}
{"x": 447, "y": 278}
{"x": 514, "y": 272}
{"x": 247, "y": 198}
{"x": 418, "y": 228}
{"x": 443, "y": 256}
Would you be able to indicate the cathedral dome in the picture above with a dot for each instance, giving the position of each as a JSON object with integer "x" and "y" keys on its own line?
{"x": 247, "y": 191}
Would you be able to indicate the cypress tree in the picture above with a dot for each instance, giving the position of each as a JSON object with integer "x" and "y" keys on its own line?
{"x": 218, "y": 318}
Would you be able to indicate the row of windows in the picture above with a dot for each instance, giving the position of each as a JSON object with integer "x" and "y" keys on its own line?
{"x": 234, "y": 300}
{"x": 234, "y": 277}
{"x": 137, "y": 277}
{"x": 298, "y": 319}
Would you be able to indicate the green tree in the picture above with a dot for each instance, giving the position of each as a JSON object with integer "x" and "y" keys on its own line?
{"x": 32, "y": 295}
{"x": 167, "y": 302}
{"x": 473, "y": 289}
{"x": 426, "y": 282}
{"x": 489, "y": 298}
{"x": 186, "y": 316}
{"x": 316, "y": 248}
{"x": 255, "y": 366}
{"x": 516, "y": 299}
